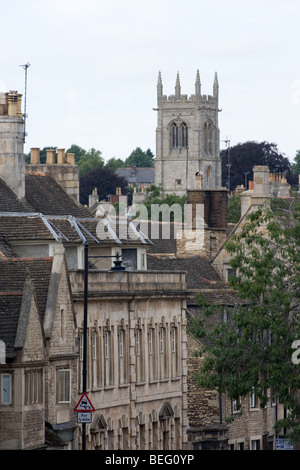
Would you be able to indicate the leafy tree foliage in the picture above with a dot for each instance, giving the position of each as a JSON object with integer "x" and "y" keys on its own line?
{"x": 253, "y": 350}
{"x": 77, "y": 150}
{"x": 234, "y": 209}
{"x": 243, "y": 157}
{"x": 114, "y": 163}
{"x": 140, "y": 158}
{"x": 104, "y": 179}
{"x": 90, "y": 160}
{"x": 296, "y": 164}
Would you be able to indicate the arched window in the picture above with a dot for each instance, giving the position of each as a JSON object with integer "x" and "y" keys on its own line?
{"x": 184, "y": 135}
{"x": 178, "y": 135}
{"x": 208, "y": 176}
{"x": 207, "y": 136}
{"x": 174, "y": 135}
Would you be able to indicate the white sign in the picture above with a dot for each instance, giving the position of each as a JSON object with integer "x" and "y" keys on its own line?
{"x": 84, "y": 417}
{"x": 283, "y": 444}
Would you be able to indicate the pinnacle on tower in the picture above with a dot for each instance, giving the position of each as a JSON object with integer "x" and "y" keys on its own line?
{"x": 198, "y": 84}
{"x": 159, "y": 85}
{"x": 177, "y": 87}
{"x": 216, "y": 86}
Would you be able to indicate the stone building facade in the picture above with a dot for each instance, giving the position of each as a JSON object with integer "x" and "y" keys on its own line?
{"x": 137, "y": 367}
{"x": 187, "y": 139}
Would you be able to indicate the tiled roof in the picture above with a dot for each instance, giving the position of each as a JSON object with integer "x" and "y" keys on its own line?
{"x": 9, "y": 201}
{"x": 199, "y": 272}
{"x": 10, "y": 305}
{"x": 13, "y": 273}
{"x": 42, "y": 194}
{"x": 45, "y": 195}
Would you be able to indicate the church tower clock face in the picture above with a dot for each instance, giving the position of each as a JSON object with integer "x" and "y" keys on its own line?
{"x": 187, "y": 139}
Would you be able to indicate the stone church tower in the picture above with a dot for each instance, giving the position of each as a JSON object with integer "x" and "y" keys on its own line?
{"x": 187, "y": 140}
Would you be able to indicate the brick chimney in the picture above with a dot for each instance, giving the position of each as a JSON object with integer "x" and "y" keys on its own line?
{"x": 206, "y": 231}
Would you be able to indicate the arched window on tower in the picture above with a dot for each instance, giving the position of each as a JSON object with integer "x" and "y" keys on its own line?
{"x": 178, "y": 135}
{"x": 174, "y": 136}
{"x": 184, "y": 135}
{"x": 207, "y": 136}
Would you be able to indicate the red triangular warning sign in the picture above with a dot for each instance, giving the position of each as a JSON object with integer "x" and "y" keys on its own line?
{"x": 84, "y": 404}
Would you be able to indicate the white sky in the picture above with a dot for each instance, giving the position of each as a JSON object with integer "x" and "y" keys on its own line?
{"x": 95, "y": 63}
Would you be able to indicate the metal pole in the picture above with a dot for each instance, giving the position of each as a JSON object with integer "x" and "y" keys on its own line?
{"x": 85, "y": 310}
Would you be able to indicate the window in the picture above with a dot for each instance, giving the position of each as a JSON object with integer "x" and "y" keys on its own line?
{"x": 108, "y": 358}
{"x": 174, "y": 135}
{"x": 174, "y": 352}
{"x": 178, "y": 135}
{"x": 253, "y": 399}
{"x": 152, "y": 354}
{"x": 235, "y": 406}
{"x": 139, "y": 355}
{"x": 33, "y": 387}
{"x": 184, "y": 135}
{"x": 6, "y": 380}
{"x": 207, "y": 136}
{"x": 163, "y": 353}
{"x": 95, "y": 359}
{"x": 178, "y": 182}
{"x": 255, "y": 444}
{"x": 225, "y": 314}
{"x": 64, "y": 386}
{"x": 122, "y": 357}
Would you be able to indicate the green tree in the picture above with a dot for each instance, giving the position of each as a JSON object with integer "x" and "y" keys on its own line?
{"x": 140, "y": 158}
{"x": 104, "y": 179}
{"x": 154, "y": 197}
{"x": 90, "y": 160}
{"x": 244, "y": 156}
{"x": 296, "y": 164}
{"x": 234, "y": 209}
{"x": 77, "y": 150}
{"x": 253, "y": 350}
{"x": 114, "y": 163}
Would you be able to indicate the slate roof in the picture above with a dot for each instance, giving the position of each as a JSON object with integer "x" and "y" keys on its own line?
{"x": 42, "y": 194}
{"x": 199, "y": 272}
{"x": 13, "y": 273}
{"x": 45, "y": 195}
{"x": 10, "y": 305}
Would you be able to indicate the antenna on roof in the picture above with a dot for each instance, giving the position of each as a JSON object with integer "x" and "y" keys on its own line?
{"x": 25, "y": 67}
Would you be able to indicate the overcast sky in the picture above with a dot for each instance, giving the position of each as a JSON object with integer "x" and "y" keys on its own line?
{"x": 94, "y": 68}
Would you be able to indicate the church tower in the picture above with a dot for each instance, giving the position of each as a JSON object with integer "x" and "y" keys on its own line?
{"x": 187, "y": 139}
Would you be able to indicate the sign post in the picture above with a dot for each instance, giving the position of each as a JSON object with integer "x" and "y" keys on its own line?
{"x": 84, "y": 410}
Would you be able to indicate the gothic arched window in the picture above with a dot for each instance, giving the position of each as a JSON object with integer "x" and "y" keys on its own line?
{"x": 184, "y": 135}
{"x": 207, "y": 136}
{"x": 178, "y": 135}
{"x": 174, "y": 135}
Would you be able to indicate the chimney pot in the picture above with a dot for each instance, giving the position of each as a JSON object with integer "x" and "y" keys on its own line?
{"x": 35, "y": 156}
{"x": 50, "y": 157}
{"x": 71, "y": 158}
{"x": 61, "y": 156}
